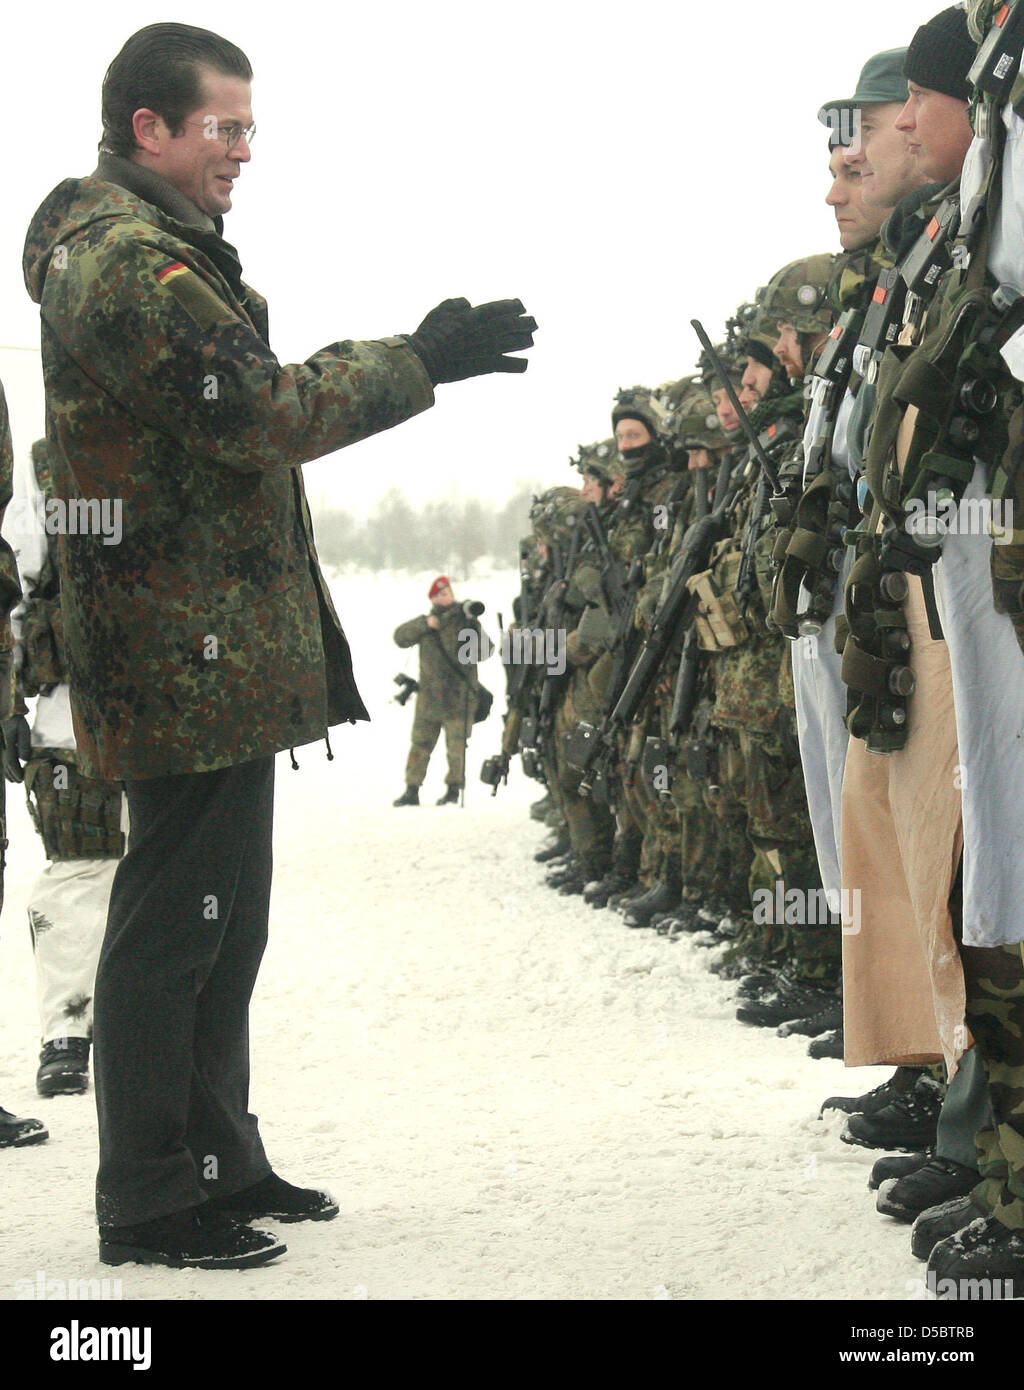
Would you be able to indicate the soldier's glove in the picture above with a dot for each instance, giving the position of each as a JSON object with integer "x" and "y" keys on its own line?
{"x": 17, "y": 740}
{"x": 456, "y": 341}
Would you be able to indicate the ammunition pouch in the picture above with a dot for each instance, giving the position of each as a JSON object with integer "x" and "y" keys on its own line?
{"x": 813, "y": 556}
{"x": 719, "y": 622}
{"x": 78, "y": 817}
{"x": 529, "y": 733}
{"x": 578, "y": 745}
{"x": 656, "y": 768}
{"x": 43, "y": 656}
{"x": 533, "y": 765}
{"x": 876, "y": 653}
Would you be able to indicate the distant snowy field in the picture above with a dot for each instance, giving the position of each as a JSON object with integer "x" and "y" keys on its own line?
{"x": 511, "y": 1096}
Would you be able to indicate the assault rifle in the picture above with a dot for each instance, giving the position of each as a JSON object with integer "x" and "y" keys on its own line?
{"x": 675, "y": 615}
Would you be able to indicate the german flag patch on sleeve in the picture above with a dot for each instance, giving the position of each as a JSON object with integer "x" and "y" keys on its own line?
{"x": 193, "y": 294}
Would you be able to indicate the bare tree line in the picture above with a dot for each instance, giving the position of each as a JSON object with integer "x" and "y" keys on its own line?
{"x": 399, "y": 536}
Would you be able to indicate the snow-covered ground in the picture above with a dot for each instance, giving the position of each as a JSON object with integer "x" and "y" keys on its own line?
{"x": 511, "y": 1095}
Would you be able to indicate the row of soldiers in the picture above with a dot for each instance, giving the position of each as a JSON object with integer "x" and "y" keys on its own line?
{"x": 775, "y": 721}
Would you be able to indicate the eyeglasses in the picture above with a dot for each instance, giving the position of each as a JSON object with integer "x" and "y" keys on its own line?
{"x": 232, "y": 134}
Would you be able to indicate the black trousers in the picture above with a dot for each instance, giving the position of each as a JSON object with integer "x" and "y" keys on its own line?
{"x": 186, "y": 932}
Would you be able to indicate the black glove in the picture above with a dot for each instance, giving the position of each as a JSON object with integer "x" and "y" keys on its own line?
{"x": 17, "y": 739}
{"x": 456, "y": 341}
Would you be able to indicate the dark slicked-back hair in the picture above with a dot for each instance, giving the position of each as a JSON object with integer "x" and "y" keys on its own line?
{"x": 158, "y": 68}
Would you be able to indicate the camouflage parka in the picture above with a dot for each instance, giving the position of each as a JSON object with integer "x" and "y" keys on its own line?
{"x": 448, "y": 684}
{"x": 206, "y": 637}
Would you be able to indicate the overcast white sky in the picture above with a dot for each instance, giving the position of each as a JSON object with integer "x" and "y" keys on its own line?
{"x": 621, "y": 168}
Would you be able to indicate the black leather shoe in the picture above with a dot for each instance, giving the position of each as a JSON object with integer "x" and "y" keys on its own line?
{"x": 196, "y": 1238}
{"x": 451, "y": 796}
{"x": 273, "y": 1198}
{"x": 16, "y": 1133}
{"x": 410, "y": 797}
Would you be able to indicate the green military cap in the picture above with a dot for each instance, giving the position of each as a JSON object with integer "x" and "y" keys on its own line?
{"x": 640, "y": 403}
{"x": 881, "y": 82}
{"x": 798, "y": 294}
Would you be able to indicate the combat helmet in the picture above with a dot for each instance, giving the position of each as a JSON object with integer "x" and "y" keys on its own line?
{"x": 797, "y": 294}
{"x": 692, "y": 421}
{"x": 640, "y": 403}
{"x": 554, "y": 513}
{"x": 602, "y": 460}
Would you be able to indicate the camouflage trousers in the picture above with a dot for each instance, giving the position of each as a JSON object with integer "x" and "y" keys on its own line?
{"x": 757, "y": 772}
{"x": 712, "y": 849}
{"x": 591, "y": 826}
{"x": 426, "y": 730}
{"x": 995, "y": 1015}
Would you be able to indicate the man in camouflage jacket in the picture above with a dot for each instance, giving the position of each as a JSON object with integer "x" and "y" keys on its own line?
{"x": 447, "y": 694}
{"x": 206, "y": 641}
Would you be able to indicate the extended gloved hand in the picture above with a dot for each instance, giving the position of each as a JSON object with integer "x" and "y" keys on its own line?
{"x": 17, "y": 741}
{"x": 456, "y": 341}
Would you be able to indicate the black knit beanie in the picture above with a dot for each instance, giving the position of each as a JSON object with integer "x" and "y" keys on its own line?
{"x": 941, "y": 53}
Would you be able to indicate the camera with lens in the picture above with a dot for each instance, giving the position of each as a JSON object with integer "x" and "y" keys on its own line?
{"x": 494, "y": 771}
{"x": 408, "y": 687}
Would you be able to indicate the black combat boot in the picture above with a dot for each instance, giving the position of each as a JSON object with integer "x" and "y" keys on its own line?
{"x": 984, "y": 1260}
{"x": 620, "y": 900}
{"x": 937, "y": 1181}
{"x": 451, "y": 796}
{"x": 895, "y": 1166}
{"x": 553, "y": 847}
{"x": 939, "y": 1222}
{"x": 410, "y": 797}
{"x": 663, "y": 897}
{"x": 902, "y": 1079}
{"x": 908, "y": 1122}
{"x": 826, "y": 1020}
{"x": 615, "y": 881}
{"x": 63, "y": 1067}
{"x": 783, "y": 1001}
{"x": 562, "y": 873}
{"x": 828, "y": 1045}
{"x": 539, "y": 810}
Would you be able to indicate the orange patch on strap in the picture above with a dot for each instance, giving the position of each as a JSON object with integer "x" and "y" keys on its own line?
{"x": 171, "y": 271}
{"x": 880, "y": 295}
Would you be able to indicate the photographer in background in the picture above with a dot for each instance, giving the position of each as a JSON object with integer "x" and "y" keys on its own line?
{"x": 450, "y": 695}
